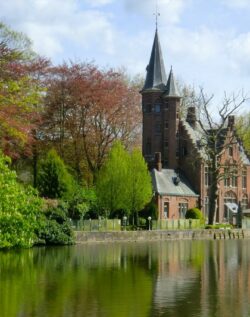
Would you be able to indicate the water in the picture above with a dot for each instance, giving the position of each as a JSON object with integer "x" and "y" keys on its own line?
{"x": 174, "y": 278}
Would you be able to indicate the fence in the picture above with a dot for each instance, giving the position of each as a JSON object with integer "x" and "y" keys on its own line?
{"x": 97, "y": 225}
{"x": 174, "y": 224}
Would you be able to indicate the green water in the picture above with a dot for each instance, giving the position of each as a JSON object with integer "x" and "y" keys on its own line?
{"x": 175, "y": 278}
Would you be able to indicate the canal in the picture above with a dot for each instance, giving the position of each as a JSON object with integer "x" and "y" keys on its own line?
{"x": 171, "y": 278}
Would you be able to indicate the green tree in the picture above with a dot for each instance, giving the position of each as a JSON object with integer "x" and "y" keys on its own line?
{"x": 19, "y": 209}
{"x": 123, "y": 182}
{"x": 54, "y": 181}
{"x": 139, "y": 189}
{"x": 111, "y": 184}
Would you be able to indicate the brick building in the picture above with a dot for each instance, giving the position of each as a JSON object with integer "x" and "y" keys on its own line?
{"x": 171, "y": 147}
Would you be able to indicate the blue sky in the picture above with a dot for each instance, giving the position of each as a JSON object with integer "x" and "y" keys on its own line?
{"x": 207, "y": 42}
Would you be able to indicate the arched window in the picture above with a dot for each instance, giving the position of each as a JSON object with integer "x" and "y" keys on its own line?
{"x": 230, "y": 197}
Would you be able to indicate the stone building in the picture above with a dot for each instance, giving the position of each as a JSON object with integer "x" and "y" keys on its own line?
{"x": 171, "y": 145}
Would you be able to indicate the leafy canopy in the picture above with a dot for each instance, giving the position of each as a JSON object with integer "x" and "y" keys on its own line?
{"x": 124, "y": 181}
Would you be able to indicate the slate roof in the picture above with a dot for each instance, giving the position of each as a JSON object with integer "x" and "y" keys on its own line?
{"x": 164, "y": 183}
{"x": 196, "y": 136}
{"x": 156, "y": 75}
{"x": 171, "y": 87}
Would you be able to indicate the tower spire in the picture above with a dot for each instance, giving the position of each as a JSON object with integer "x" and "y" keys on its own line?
{"x": 156, "y": 76}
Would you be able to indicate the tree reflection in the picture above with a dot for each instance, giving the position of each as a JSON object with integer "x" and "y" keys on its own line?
{"x": 174, "y": 278}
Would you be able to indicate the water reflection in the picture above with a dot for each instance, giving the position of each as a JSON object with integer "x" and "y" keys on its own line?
{"x": 175, "y": 278}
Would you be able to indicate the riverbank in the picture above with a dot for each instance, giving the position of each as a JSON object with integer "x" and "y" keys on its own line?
{"x": 160, "y": 235}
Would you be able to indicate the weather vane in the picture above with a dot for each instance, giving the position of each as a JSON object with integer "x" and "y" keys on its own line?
{"x": 157, "y": 14}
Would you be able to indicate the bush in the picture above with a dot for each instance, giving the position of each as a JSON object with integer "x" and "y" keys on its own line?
{"x": 54, "y": 181}
{"x": 19, "y": 209}
{"x": 219, "y": 226}
{"x": 142, "y": 222}
{"x": 194, "y": 213}
{"x": 55, "y": 227}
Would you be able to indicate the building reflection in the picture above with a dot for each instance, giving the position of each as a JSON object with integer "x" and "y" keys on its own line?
{"x": 174, "y": 278}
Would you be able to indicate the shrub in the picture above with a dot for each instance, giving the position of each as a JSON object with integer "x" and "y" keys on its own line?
{"x": 219, "y": 226}
{"x": 54, "y": 181}
{"x": 19, "y": 209}
{"x": 142, "y": 222}
{"x": 55, "y": 227}
{"x": 194, "y": 213}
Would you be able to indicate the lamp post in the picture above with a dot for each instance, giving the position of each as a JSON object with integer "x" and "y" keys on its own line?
{"x": 149, "y": 223}
{"x": 125, "y": 222}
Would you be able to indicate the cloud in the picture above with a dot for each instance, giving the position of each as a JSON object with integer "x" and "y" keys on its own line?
{"x": 53, "y": 25}
{"x": 98, "y": 3}
{"x": 170, "y": 10}
{"x": 240, "y": 4}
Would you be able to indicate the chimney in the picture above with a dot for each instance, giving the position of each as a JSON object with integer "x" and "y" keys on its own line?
{"x": 191, "y": 116}
{"x": 231, "y": 121}
{"x": 158, "y": 163}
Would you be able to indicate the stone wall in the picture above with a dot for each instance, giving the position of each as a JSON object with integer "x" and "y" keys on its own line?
{"x": 137, "y": 236}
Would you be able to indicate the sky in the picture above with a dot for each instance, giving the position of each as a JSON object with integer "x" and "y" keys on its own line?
{"x": 206, "y": 42}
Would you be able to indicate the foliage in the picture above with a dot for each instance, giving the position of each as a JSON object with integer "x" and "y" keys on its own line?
{"x": 82, "y": 201}
{"x": 194, "y": 213}
{"x": 54, "y": 181}
{"x": 124, "y": 182}
{"x": 19, "y": 209}
{"x": 55, "y": 227}
{"x": 111, "y": 184}
{"x": 20, "y": 92}
{"x": 139, "y": 188}
{"x": 219, "y": 226}
{"x": 86, "y": 110}
{"x": 151, "y": 209}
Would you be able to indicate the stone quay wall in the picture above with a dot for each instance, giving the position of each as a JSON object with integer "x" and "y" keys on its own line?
{"x": 160, "y": 235}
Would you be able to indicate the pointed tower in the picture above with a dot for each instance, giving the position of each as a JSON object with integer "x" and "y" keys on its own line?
{"x": 156, "y": 75}
{"x": 171, "y": 119}
{"x": 160, "y": 105}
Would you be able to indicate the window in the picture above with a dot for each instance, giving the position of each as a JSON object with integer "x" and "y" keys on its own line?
{"x": 226, "y": 178}
{"x": 230, "y": 197}
{"x": 166, "y": 124}
{"x": 177, "y": 152}
{"x": 157, "y": 108}
{"x": 148, "y": 146}
{"x": 183, "y": 207}
{"x": 206, "y": 207}
{"x": 207, "y": 176}
{"x": 166, "y": 105}
{"x": 157, "y": 127}
{"x": 244, "y": 179}
{"x": 244, "y": 202}
{"x": 148, "y": 108}
{"x": 166, "y": 210}
{"x": 234, "y": 181}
